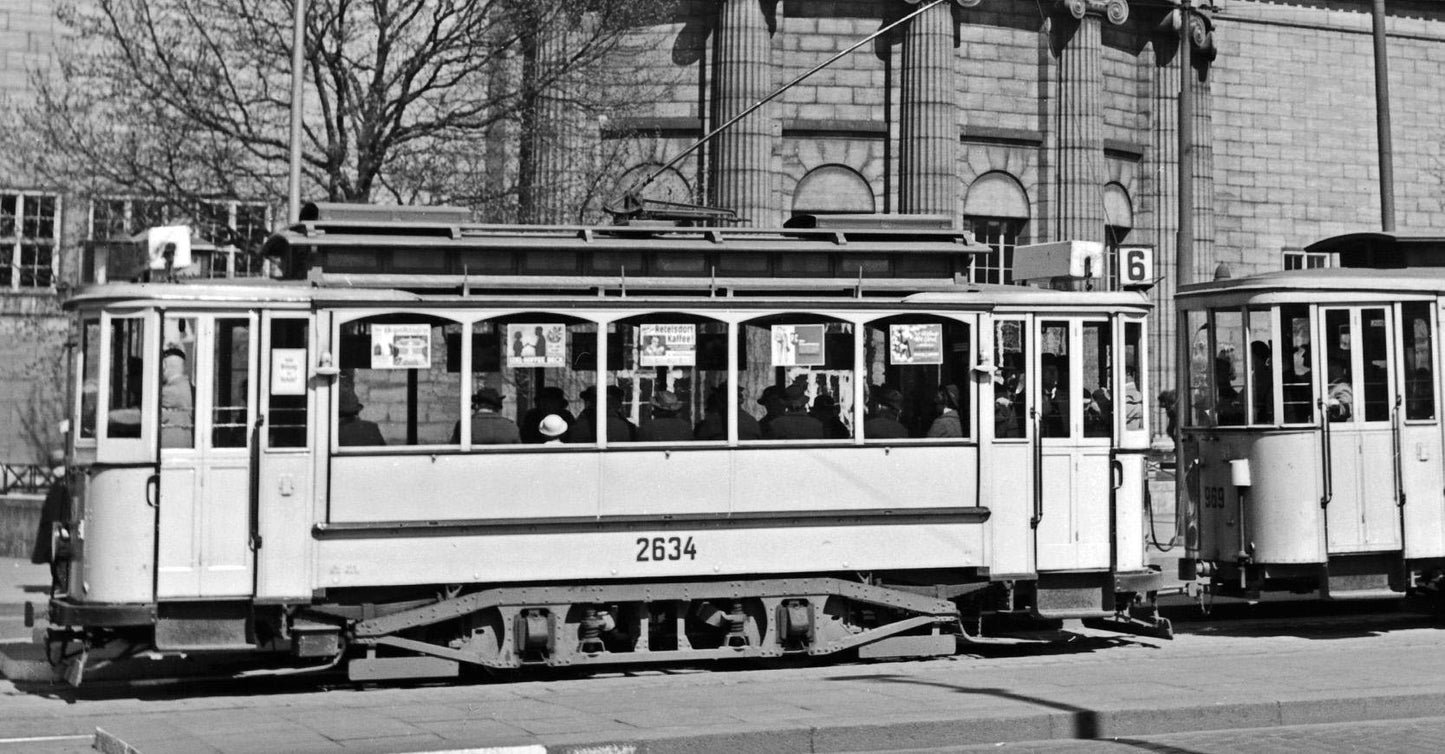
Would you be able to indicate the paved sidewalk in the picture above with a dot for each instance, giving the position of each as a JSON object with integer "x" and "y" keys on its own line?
{"x": 22, "y": 581}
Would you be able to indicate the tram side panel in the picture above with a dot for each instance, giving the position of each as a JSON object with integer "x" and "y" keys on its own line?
{"x": 579, "y": 516}
{"x": 1283, "y": 521}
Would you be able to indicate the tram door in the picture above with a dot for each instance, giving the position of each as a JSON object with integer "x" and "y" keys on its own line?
{"x": 1357, "y": 366}
{"x": 206, "y": 412}
{"x": 1074, "y": 361}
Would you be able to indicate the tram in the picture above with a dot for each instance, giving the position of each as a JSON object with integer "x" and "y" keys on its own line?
{"x": 1311, "y": 440}
{"x": 435, "y": 445}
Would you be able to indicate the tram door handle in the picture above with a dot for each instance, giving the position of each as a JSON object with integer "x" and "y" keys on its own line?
{"x": 1326, "y": 456}
{"x": 1116, "y": 474}
{"x": 1038, "y": 468}
{"x": 153, "y": 490}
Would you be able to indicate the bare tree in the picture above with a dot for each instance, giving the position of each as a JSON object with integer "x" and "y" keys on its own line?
{"x": 189, "y": 99}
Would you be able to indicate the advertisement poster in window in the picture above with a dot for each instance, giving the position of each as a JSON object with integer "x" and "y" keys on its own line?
{"x": 915, "y": 344}
{"x": 668, "y": 345}
{"x": 797, "y": 345}
{"x": 536, "y": 345}
{"x": 400, "y": 346}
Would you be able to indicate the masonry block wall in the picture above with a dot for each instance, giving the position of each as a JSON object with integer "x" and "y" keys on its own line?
{"x": 1294, "y": 125}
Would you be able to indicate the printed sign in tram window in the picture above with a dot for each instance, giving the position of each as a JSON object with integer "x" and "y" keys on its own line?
{"x": 915, "y": 344}
{"x": 536, "y": 345}
{"x": 668, "y": 345}
{"x": 797, "y": 345}
{"x": 400, "y": 346}
{"x": 288, "y": 371}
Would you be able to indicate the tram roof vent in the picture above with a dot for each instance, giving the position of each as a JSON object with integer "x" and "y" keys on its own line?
{"x": 384, "y": 213}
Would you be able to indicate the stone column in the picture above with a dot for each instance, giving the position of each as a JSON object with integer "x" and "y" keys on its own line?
{"x": 553, "y": 152}
{"x": 1077, "y": 40}
{"x": 741, "y": 175}
{"x": 1202, "y": 55}
{"x": 928, "y": 121}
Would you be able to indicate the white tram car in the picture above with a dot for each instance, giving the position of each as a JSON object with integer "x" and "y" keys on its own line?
{"x": 294, "y": 466}
{"x": 1311, "y": 446}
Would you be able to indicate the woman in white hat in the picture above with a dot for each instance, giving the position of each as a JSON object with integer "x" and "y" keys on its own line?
{"x": 552, "y": 427}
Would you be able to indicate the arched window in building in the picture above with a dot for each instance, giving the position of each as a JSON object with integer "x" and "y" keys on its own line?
{"x": 1118, "y": 222}
{"x": 832, "y": 190}
{"x": 996, "y": 210}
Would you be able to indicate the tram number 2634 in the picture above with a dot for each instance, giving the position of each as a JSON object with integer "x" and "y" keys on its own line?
{"x": 651, "y": 549}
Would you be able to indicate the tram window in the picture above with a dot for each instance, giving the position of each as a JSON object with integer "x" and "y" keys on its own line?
{"x": 1201, "y": 363}
{"x": 1228, "y": 367}
{"x": 1133, "y": 404}
{"x": 1339, "y": 371}
{"x": 395, "y": 387}
{"x": 178, "y": 392}
{"x": 90, "y": 376}
{"x": 799, "y": 372}
{"x": 286, "y": 420}
{"x": 1375, "y": 366}
{"x": 127, "y": 359}
{"x": 534, "y": 365}
{"x": 1010, "y": 384}
{"x": 1419, "y": 361}
{"x": 917, "y": 370}
{"x": 230, "y": 394}
{"x": 1055, "y": 397}
{"x": 1260, "y": 366}
{"x": 1296, "y": 363}
{"x": 666, "y": 380}
{"x": 1098, "y": 368}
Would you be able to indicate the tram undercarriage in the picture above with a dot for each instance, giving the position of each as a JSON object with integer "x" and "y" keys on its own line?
{"x": 404, "y": 636}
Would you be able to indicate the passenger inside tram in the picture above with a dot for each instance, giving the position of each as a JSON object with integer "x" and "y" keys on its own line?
{"x": 795, "y": 423}
{"x": 1133, "y": 400}
{"x": 825, "y": 410}
{"x": 714, "y": 424}
{"x": 883, "y": 422}
{"x": 177, "y": 404}
{"x": 1262, "y": 377}
{"x": 1228, "y": 404}
{"x": 1008, "y": 402}
{"x": 1053, "y": 398}
{"x": 948, "y": 423}
{"x": 771, "y": 400}
{"x": 550, "y": 401}
{"x": 1340, "y": 395}
{"x": 666, "y": 425}
{"x": 489, "y": 427}
{"x": 618, "y": 428}
{"x": 351, "y": 429}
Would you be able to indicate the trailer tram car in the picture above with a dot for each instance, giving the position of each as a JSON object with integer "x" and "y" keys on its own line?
{"x": 346, "y": 465}
{"x": 1312, "y": 430}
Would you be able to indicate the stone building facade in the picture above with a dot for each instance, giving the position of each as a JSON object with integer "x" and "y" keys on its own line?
{"x": 1024, "y": 120}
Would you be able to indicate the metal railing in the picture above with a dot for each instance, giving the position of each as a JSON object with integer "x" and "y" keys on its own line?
{"x": 31, "y": 478}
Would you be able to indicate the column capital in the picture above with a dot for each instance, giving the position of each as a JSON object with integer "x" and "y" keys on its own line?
{"x": 957, "y": 3}
{"x": 1116, "y": 11}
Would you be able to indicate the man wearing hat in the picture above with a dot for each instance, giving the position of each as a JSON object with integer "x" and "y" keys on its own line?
{"x": 714, "y": 424}
{"x": 948, "y": 423}
{"x": 883, "y": 424}
{"x": 550, "y": 400}
{"x": 351, "y": 429}
{"x": 795, "y": 422}
{"x": 619, "y": 429}
{"x": 772, "y": 402}
{"x": 489, "y": 427}
{"x": 825, "y": 409}
{"x": 666, "y": 425}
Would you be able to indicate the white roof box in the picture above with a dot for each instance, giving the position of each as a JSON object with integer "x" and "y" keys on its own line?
{"x": 1062, "y": 259}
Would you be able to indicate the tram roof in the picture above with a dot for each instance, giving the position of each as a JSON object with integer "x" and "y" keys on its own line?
{"x": 1324, "y": 283}
{"x": 830, "y": 292}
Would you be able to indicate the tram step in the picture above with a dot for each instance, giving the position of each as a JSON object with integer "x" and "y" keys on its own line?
{"x": 400, "y": 668}
{"x": 932, "y": 645}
